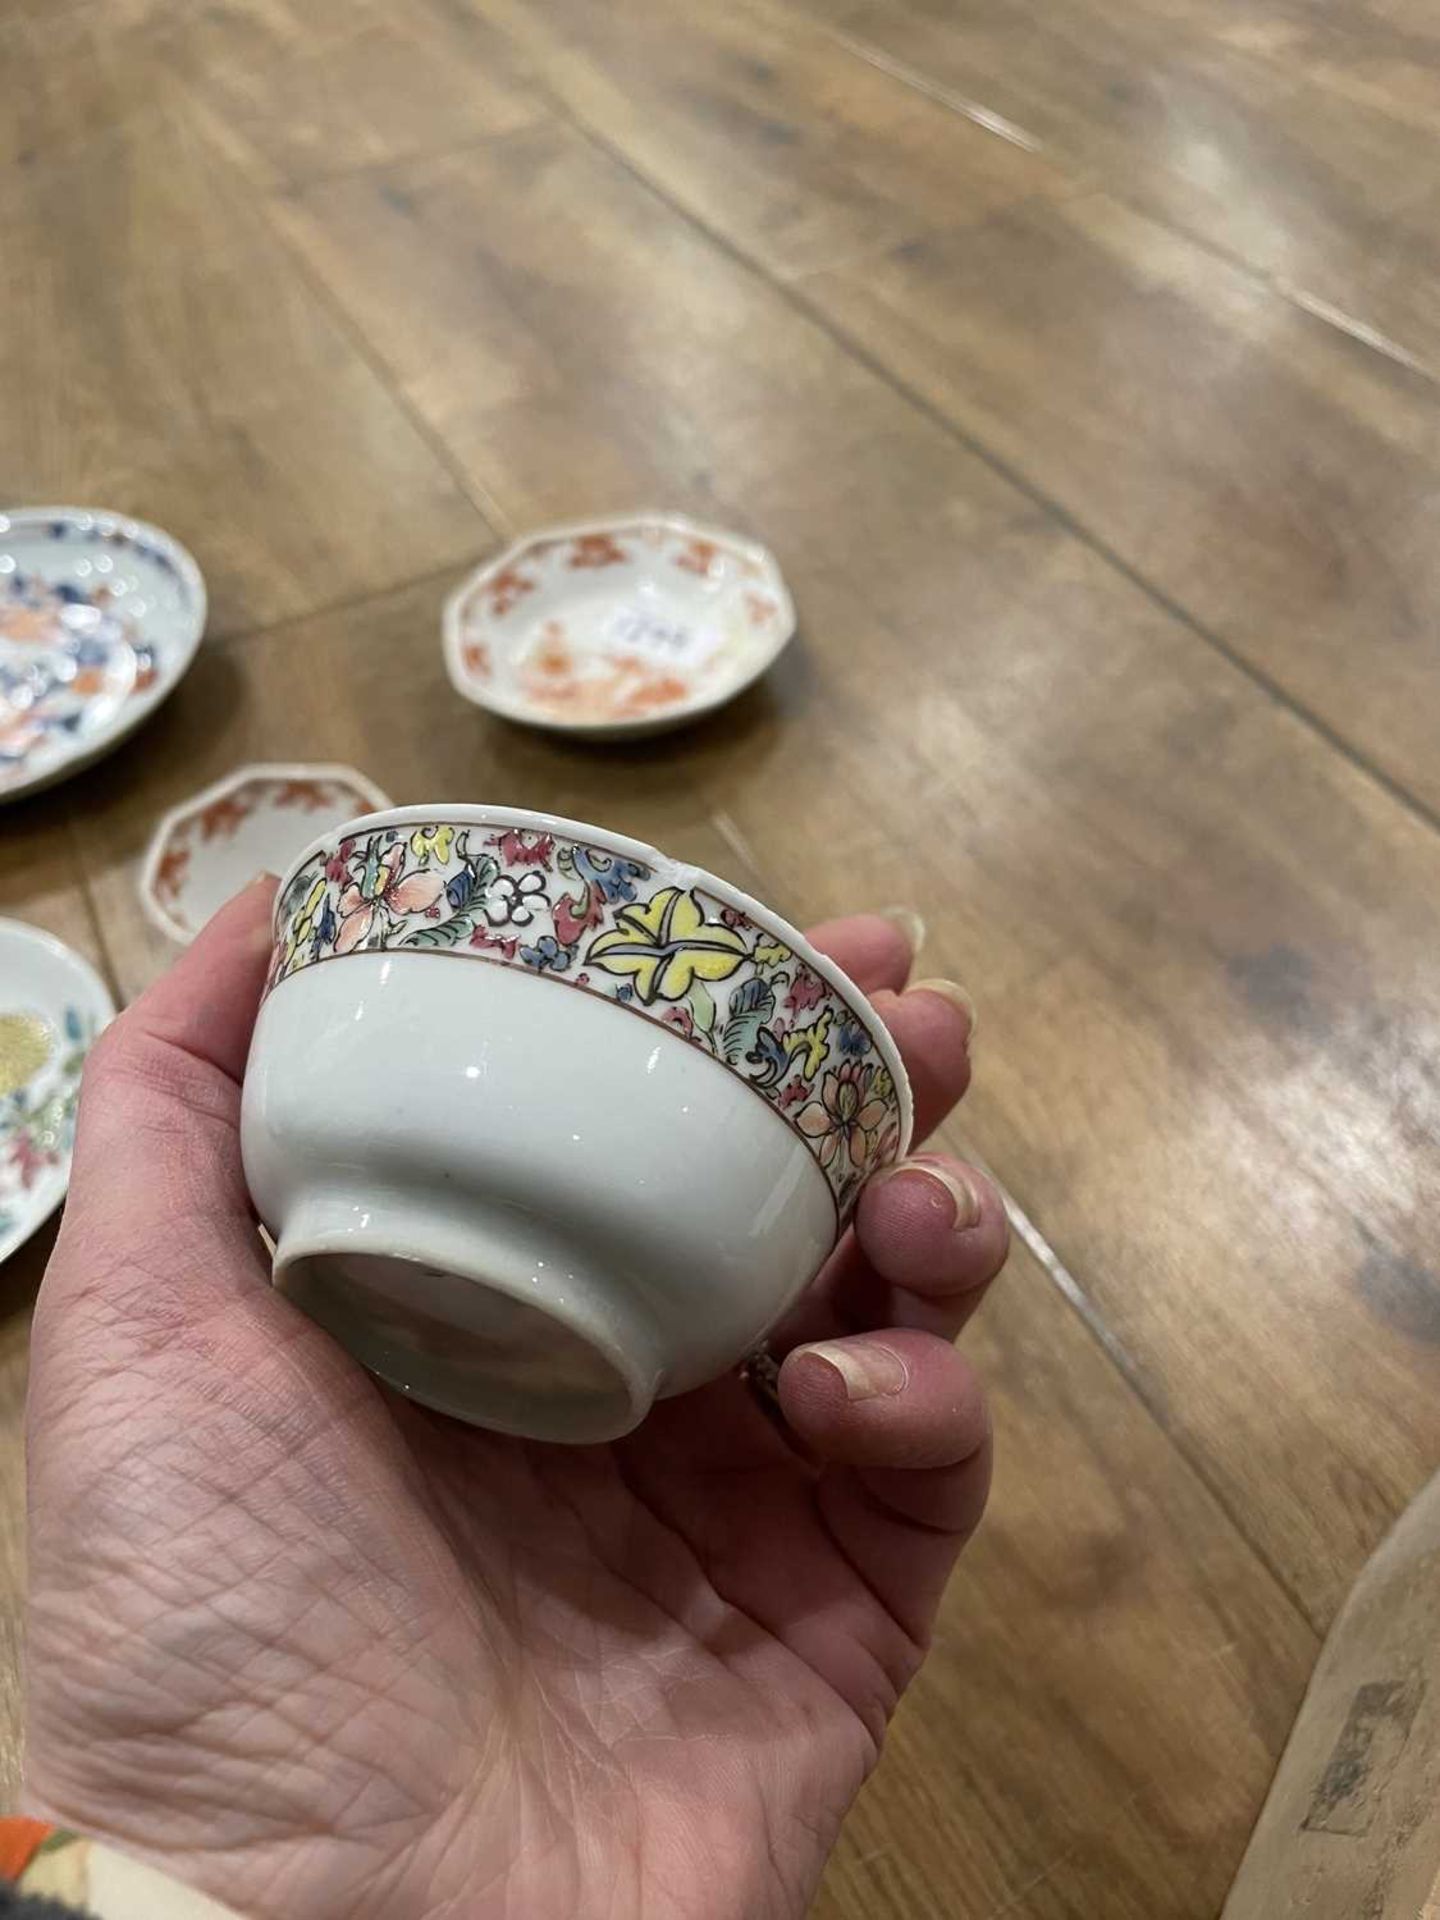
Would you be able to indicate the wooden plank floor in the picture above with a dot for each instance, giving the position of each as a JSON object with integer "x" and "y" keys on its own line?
{"x": 1080, "y": 362}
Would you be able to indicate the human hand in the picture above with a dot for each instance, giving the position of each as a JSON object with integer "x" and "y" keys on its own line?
{"x": 319, "y": 1651}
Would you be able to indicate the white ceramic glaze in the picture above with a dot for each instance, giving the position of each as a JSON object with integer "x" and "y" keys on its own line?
{"x": 620, "y": 626}
{"x": 512, "y": 1194}
{"x": 257, "y": 819}
{"x": 52, "y": 1005}
{"x": 100, "y": 616}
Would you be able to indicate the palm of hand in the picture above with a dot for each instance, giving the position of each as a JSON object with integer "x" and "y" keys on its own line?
{"x": 324, "y": 1652}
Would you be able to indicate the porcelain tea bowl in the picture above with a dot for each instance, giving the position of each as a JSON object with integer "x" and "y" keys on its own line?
{"x": 545, "y": 1125}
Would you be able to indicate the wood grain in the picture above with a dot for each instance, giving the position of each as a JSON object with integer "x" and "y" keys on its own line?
{"x": 1019, "y": 1760}
{"x": 1298, "y": 139}
{"x": 1268, "y": 472}
{"x": 70, "y": 72}
{"x": 299, "y": 89}
{"x": 772, "y": 132}
{"x": 168, "y": 360}
{"x": 1263, "y": 470}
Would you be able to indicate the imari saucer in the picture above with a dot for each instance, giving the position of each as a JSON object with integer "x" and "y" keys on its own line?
{"x": 620, "y": 626}
{"x": 99, "y": 618}
{"x": 256, "y": 819}
{"x": 52, "y": 1005}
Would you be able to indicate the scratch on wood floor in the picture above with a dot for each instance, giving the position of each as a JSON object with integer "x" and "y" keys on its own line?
{"x": 730, "y": 833}
{"x": 971, "y": 110}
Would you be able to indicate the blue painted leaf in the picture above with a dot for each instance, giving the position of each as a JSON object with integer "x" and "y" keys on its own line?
{"x": 768, "y": 1057}
{"x": 547, "y": 953}
{"x": 852, "y": 1038}
{"x": 751, "y": 1005}
{"x": 619, "y": 883}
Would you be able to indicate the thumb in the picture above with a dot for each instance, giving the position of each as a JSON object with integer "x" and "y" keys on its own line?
{"x": 156, "y": 1165}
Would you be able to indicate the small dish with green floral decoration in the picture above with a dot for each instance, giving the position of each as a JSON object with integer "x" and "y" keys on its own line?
{"x": 52, "y": 1005}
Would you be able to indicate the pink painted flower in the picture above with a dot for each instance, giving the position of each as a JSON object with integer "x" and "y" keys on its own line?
{"x": 680, "y": 1017}
{"x": 576, "y": 917}
{"x": 29, "y": 1160}
{"x": 792, "y": 1094}
{"x": 482, "y": 937}
{"x": 337, "y": 866}
{"x": 888, "y": 1145}
{"x": 843, "y": 1120}
{"x": 393, "y": 892}
{"x": 519, "y": 848}
{"x": 807, "y": 991}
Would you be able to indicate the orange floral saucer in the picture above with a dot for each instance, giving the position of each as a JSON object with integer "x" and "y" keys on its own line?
{"x": 620, "y": 626}
{"x": 254, "y": 820}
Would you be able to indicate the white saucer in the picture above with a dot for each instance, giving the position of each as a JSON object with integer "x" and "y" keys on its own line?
{"x": 99, "y": 618}
{"x": 256, "y": 818}
{"x": 620, "y": 626}
{"x": 52, "y": 1005}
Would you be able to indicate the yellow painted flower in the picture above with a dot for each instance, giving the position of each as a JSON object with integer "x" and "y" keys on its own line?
{"x": 432, "y": 840}
{"x": 666, "y": 945}
{"x": 810, "y": 1043}
{"x": 302, "y": 925}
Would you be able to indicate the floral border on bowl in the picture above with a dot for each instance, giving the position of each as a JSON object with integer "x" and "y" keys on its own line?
{"x": 594, "y": 919}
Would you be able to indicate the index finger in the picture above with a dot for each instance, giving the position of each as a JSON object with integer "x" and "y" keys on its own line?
{"x": 875, "y": 949}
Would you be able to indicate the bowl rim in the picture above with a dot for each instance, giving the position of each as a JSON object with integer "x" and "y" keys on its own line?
{"x": 678, "y": 872}
{"x": 683, "y": 710}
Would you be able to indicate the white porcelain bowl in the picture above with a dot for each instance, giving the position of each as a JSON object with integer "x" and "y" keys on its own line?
{"x": 569, "y": 1129}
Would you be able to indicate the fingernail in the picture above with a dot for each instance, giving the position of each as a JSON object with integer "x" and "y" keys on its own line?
{"x": 953, "y": 1193}
{"x": 911, "y": 926}
{"x": 868, "y": 1370}
{"x": 952, "y": 991}
{"x": 263, "y": 874}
